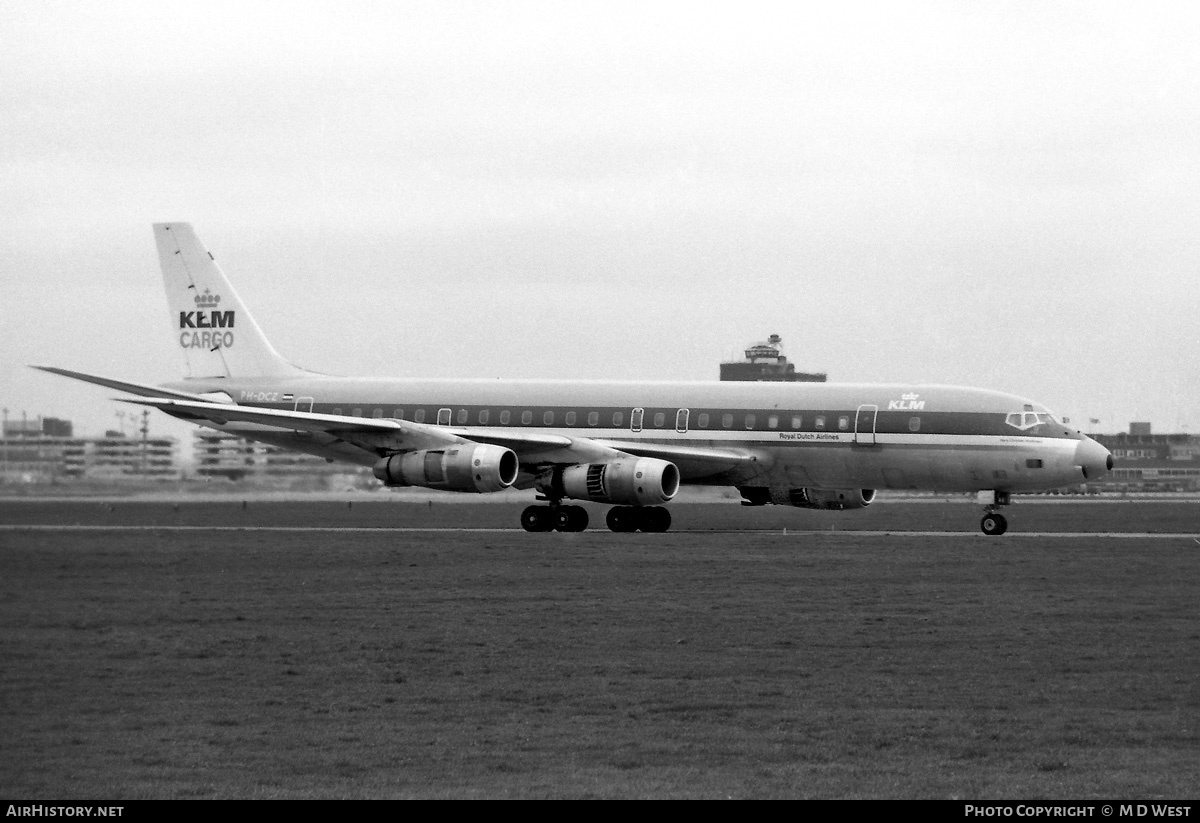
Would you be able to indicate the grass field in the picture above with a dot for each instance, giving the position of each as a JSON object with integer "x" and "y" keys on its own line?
{"x": 163, "y": 663}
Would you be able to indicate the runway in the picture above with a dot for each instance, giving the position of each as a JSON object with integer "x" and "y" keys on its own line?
{"x": 302, "y": 650}
{"x": 1150, "y": 519}
{"x": 482, "y": 530}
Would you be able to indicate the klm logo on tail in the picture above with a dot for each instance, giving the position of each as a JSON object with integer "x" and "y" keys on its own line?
{"x": 210, "y": 319}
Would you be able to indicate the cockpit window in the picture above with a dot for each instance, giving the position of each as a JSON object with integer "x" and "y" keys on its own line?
{"x": 1028, "y": 419}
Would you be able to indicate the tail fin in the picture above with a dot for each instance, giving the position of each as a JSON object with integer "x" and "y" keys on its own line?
{"x": 209, "y": 323}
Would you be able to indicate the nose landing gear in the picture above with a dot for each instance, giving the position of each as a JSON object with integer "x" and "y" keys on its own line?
{"x": 994, "y": 523}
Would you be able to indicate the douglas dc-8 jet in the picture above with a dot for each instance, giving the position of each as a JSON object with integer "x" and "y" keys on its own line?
{"x": 630, "y": 444}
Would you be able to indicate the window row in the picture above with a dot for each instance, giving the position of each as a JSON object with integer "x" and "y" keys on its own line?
{"x": 638, "y": 419}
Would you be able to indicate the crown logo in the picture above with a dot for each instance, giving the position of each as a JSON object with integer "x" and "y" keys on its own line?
{"x": 208, "y": 300}
{"x": 910, "y": 396}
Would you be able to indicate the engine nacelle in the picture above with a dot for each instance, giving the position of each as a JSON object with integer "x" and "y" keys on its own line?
{"x": 630, "y": 481}
{"x": 835, "y": 499}
{"x": 470, "y": 467}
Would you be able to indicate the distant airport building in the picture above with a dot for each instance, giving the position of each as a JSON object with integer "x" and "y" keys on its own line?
{"x": 765, "y": 362}
{"x": 37, "y": 427}
{"x": 43, "y": 450}
{"x": 1152, "y": 462}
{"x": 220, "y": 454}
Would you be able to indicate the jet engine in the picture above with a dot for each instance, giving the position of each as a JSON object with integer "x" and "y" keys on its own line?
{"x": 836, "y": 499}
{"x": 631, "y": 481}
{"x": 471, "y": 467}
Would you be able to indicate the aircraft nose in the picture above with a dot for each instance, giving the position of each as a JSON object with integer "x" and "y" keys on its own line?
{"x": 1093, "y": 459}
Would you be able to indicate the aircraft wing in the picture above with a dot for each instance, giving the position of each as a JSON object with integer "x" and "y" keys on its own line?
{"x": 382, "y": 435}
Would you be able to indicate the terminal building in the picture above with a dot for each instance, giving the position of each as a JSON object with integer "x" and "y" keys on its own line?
{"x": 220, "y": 454}
{"x": 764, "y": 361}
{"x": 1144, "y": 461}
{"x": 43, "y": 450}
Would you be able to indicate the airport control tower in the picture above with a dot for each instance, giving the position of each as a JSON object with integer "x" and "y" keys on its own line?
{"x": 764, "y": 362}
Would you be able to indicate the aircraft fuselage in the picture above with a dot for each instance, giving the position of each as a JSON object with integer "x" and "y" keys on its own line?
{"x": 826, "y": 436}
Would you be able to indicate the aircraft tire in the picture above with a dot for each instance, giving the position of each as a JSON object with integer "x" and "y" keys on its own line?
{"x": 622, "y": 519}
{"x": 571, "y": 519}
{"x": 655, "y": 519}
{"x": 993, "y": 524}
{"x": 537, "y": 519}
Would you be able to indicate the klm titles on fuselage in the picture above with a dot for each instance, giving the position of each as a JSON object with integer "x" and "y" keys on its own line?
{"x": 908, "y": 402}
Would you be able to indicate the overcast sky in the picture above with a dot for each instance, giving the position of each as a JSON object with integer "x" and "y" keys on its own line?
{"x": 992, "y": 194}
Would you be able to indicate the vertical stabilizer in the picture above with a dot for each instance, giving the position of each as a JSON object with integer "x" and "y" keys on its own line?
{"x": 209, "y": 323}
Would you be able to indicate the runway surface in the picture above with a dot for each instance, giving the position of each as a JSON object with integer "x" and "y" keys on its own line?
{"x": 480, "y": 530}
{"x": 317, "y": 649}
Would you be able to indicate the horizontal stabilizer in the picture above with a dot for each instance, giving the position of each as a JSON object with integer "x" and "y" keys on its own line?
{"x": 141, "y": 389}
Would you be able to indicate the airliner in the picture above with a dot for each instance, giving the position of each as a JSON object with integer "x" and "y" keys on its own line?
{"x": 629, "y": 444}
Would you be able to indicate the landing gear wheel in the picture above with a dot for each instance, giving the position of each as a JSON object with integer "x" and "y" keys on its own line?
{"x": 571, "y": 519}
{"x": 655, "y": 519}
{"x": 993, "y": 524}
{"x": 622, "y": 519}
{"x": 537, "y": 519}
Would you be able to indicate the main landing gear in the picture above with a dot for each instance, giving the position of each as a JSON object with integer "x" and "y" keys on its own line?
{"x": 632, "y": 518}
{"x": 554, "y": 517}
{"x": 557, "y": 517}
{"x": 994, "y": 523}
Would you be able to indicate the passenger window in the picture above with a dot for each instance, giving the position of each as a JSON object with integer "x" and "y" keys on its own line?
{"x": 526, "y": 417}
{"x": 750, "y": 421}
{"x": 797, "y": 421}
{"x": 843, "y": 423}
{"x": 505, "y": 417}
{"x": 726, "y": 421}
{"x": 773, "y": 421}
{"x": 570, "y": 418}
{"x": 419, "y": 416}
{"x": 356, "y": 413}
{"x": 377, "y": 414}
{"x": 593, "y": 418}
{"x": 484, "y": 417}
{"x": 618, "y": 419}
{"x": 914, "y": 424}
{"x": 337, "y": 411}
{"x": 398, "y": 413}
{"x": 548, "y": 419}
{"x": 702, "y": 420}
{"x": 820, "y": 421}
{"x": 462, "y": 416}
{"x": 659, "y": 419}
